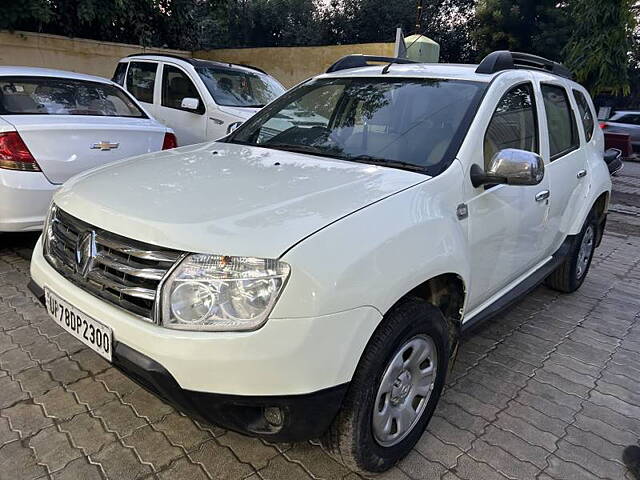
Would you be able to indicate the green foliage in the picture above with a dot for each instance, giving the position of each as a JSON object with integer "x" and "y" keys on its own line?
{"x": 600, "y": 45}
{"x": 540, "y": 27}
{"x": 594, "y": 37}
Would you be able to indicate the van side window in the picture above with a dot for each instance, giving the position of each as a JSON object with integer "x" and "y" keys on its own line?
{"x": 561, "y": 124}
{"x": 586, "y": 115}
{"x": 118, "y": 75}
{"x": 141, "y": 78}
{"x": 176, "y": 86}
{"x": 513, "y": 124}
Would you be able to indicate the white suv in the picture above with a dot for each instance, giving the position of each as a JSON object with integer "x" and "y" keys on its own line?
{"x": 314, "y": 281}
{"x": 199, "y": 99}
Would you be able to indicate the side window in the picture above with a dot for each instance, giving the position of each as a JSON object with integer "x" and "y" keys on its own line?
{"x": 141, "y": 78}
{"x": 176, "y": 86}
{"x": 585, "y": 114}
{"x": 561, "y": 123}
{"x": 118, "y": 75}
{"x": 629, "y": 119}
{"x": 513, "y": 124}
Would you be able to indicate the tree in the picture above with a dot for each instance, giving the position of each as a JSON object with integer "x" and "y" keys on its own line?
{"x": 534, "y": 26}
{"x": 600, "y": 47}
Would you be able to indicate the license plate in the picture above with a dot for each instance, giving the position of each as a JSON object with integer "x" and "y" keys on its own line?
{"x": 89, "y": 331}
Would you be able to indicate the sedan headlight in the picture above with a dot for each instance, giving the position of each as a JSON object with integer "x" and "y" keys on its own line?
{"x": 221, "y": 293}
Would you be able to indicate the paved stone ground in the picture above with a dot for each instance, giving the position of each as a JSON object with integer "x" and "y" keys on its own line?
{"x": 546, "y": 390}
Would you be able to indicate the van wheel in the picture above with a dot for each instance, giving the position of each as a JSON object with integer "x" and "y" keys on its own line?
{"x": 394, "y": 390}
{"x": 568, "y": 277}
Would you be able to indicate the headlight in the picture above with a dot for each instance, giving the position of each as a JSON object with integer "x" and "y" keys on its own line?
{"x": 47, "y": 231}
{"x": 218, "y": 293}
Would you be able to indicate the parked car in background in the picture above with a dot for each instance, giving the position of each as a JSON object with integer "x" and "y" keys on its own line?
{"x": 200, "y": 99}
{"x": 625, "y": 121}
{"x": 313, "y": 281}
{"x": 56, "y": 124}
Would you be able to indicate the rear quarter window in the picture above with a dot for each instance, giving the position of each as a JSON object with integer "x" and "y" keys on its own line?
{"x": 586, "y": 115}
{"x": 120, "y": 73}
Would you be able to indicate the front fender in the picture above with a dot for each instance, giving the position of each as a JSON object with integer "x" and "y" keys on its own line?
{"x": 378, "y": 254}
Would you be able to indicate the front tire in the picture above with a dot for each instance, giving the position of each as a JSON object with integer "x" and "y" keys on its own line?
{"x": 394, "y": 390}
{"x": 570, "y": 275}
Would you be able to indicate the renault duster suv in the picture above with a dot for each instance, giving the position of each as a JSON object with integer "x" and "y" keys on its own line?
{"x": 313, "y": 280}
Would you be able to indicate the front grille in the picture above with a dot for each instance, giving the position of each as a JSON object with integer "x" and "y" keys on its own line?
{"x": 124, "y": 272}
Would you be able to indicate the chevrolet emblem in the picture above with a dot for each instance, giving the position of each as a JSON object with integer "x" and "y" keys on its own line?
{"x": 104, "y": 146}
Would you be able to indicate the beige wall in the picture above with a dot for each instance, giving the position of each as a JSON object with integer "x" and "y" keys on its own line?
{"x": 74, "y": 54}
{"x": 291, "y": 65}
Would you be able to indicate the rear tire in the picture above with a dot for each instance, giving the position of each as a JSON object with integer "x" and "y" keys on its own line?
{"x": 570, "y": 275}
{"x": 392, "y": 384}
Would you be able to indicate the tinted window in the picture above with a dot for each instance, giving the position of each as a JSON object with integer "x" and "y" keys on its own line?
{"x": 176, "y": 86}
{"x": 63, "y": 96}
{"x": 586, "y": 116}
{"x": 119, "y": 74}
{"x": 630, "y": 119}
{"x": 561, "y": 124}
{"x": 239, "y": 88}
{"x": 141, "y": 78}
{"x": 410, "y": 122}
{"x": 513, "y": 124}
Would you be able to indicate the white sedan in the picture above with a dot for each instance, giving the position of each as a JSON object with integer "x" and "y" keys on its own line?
{"x": 56, "y": 124}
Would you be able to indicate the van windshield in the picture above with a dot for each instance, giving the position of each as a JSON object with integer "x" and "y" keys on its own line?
{"x": 239, "y": 88}
{"x": 409, "y": 123}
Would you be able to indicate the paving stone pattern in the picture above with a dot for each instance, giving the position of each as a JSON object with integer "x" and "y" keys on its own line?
{"x": 547, "y": 390}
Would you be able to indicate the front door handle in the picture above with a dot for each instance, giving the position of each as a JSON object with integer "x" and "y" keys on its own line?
{"x": 541, "y": 196}
{"x": 582, "y": 173}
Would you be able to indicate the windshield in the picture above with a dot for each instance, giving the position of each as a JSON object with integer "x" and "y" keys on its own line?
{"x": 412, "y": 123}
{"x": 63, "y": 96}
{"x": 239, "y": 88}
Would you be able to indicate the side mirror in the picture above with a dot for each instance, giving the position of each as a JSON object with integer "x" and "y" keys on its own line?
{"x": 190, "y": 103}
{"x": 510, "y": 167}
{"x": 233, "y": 126}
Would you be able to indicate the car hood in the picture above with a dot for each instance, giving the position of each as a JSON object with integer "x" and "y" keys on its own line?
{"x": 227, "y": 199}
{"x": 240, "y": 112}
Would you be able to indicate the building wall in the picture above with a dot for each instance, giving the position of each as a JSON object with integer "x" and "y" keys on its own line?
{"x": 291, "y": 65}
{"x": 73, "y": 54}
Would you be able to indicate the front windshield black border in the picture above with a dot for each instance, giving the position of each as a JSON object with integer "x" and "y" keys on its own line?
{"x": 431, "y": 170}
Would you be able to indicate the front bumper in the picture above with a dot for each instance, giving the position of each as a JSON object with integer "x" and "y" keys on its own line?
{"x": 300, "y": 365}
{"x": 280, "y": 418}
{"x": 24, "y": 200}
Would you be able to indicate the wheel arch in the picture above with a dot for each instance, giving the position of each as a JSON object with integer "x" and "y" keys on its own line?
{"x": 447, "y": 292}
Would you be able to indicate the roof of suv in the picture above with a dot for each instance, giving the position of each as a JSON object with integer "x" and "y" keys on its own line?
{"x": 195, "y": 62}
{"x": 492, "y": 65}
{"x": 429, "y": 70}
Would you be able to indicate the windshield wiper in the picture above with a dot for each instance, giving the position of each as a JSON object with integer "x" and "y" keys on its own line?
{"x": 295, "y": 148}
{"x": 384, "y": 162}
{"x": 257, "y": 105}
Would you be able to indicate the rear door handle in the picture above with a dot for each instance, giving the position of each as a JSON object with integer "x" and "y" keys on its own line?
{"x": 582, "y": 173}
{"x": 541, "y": 196}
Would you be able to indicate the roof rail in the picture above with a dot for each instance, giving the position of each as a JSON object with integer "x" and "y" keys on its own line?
{"x": 359, "y": 60}
{"x": 506, "y": 60}
{"x": 170, "y": 55}
{"x": 196, "y": 61}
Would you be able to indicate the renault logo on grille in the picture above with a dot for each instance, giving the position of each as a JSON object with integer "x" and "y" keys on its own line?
{"x": 85, "y": 252}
